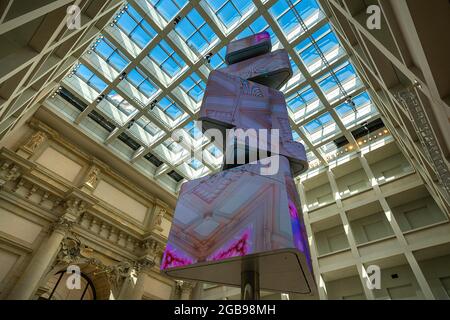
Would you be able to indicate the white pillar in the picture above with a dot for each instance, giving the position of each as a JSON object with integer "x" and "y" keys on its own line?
{"x": 186, "y": 290}
{"x": 133, "y": 285}
{"x": 197, "y": 292}
{"x": 42, "y": 260}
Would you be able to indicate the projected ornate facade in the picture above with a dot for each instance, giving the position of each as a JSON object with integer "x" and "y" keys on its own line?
{"x": 246, "y": 214}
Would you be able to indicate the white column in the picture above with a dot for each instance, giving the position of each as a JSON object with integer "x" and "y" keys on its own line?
{"x": 186, "y": 290}
{"x": 42, "y": 260}
{"x": 197, "y": 292}
{"x": 133, "y": 285}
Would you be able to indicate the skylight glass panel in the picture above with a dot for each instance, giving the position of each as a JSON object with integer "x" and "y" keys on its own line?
{"x": 168, "y": 9}
{"x": 320, "y": 49}
{"x": 120, "y": 103}
{"x": 357, "y": 110}
{"x": 193, "y": 131}
{"x": 194, "y": 86}
{"x": 172, "y": 145}
{"x": 257, "y": 26}
{"x": 113, "y": 56}
{"x": 196, "y": 32}
{"x": 135, "y": 27}
{"x": 170, "y": 108}
{"x": 167, "y": 59}
{"x": 195, "y": 164}
{"x": 231, "y": 11}
{"x": 304, "y": 103}
{"x": 339, "y": 82}
{"x": 296, "y": 137}
{"x": 321, "y": 128}
{"x": 294, "y": 66}
{"x": 148, "y": 126}
{"x": 144, "y": 130}
{"x": 85, "y": 74}
{"x": 138, "y": 79}
{"x": 293, "y": 16}
{"x": 218, "y": 60}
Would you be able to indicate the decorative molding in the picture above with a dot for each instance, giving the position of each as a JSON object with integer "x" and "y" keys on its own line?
{"x": 63, "y": 225}
{"x": 74, "y": 207}
{"x": 108, "y": 232}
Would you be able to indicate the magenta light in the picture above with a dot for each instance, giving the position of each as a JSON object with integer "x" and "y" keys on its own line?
{"x": 237, "y": 248}
{"x": 173, "y": 258}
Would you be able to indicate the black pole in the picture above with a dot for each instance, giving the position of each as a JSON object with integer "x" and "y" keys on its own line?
{"x": 249, "y": 285}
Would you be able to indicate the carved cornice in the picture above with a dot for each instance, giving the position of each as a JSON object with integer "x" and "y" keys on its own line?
{"x": 109, "y": 232}
{"x": 74, "y": 207}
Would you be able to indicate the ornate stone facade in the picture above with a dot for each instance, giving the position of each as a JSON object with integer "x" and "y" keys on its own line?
{"x": 77, "y": 226}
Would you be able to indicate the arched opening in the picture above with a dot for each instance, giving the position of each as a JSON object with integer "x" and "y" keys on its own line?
{"x": 60, "y": 290}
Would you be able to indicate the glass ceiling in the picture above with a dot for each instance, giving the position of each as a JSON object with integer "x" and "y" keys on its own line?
{"x": 145, "y": 75}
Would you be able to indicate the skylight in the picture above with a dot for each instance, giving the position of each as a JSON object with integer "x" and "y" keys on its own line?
{"x": 133, "y": 106}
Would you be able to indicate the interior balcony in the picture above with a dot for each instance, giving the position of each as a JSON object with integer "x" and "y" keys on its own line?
{"x": 388, "y": 163}
{"x": 343, "y": 284}
{"x": 370, "y": 225}
{"x": 415, "y": 209}
{"x": 434, "y": 263}
{"x": 351, "y": 178}
{"x": 330, "y": 237}
{"x": 318, "y": 192}
{"x": 397, "y": 280}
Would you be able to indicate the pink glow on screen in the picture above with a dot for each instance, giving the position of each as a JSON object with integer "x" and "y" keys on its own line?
{"x": 262, "y": 36}
{"x": 296, "y": 228}
{"x": 299, "y": 232}
{"x": 237, "y": 248}
{"x": 173, "y": 258}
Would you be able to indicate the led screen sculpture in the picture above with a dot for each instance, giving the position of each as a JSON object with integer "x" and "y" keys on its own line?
{"x": 247, "y": 217}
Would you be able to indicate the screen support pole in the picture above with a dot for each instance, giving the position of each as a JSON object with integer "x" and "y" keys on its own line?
{"x": 249, "y": 285}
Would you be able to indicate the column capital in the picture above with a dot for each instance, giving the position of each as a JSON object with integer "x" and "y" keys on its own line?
{"x": 63, "y": 225}
{"x": 144, "y": 264}
{"x": 184, "y": 285}
{"x": 70, "y": 251}
{"x": 74, "y": 207}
